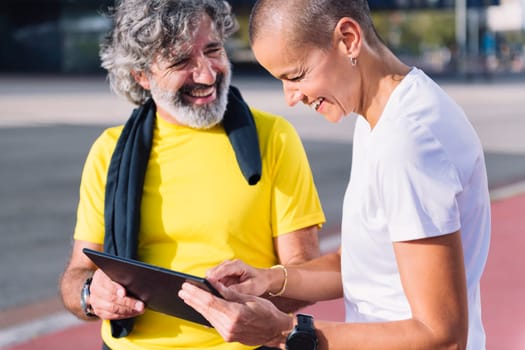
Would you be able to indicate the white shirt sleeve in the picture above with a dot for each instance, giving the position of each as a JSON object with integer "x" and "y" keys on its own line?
{"x": 417, "y": 185}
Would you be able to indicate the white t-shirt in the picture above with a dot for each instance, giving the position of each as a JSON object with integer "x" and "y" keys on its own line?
{"x": 419, "y": 173}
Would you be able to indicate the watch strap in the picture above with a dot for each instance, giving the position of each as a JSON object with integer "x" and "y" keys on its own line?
{"x": 305, "y": 322}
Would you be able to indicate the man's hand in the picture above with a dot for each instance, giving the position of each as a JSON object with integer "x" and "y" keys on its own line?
{"x": 109, "y": 301}
{"x": 238, "y": 317}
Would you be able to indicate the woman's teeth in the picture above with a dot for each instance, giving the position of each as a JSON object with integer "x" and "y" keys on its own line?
{"x": 317, "y": 103}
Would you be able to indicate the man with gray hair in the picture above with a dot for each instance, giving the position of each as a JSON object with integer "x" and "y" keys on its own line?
{"x": 193, "y": 178}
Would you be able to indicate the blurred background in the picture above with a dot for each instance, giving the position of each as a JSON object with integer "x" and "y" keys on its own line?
{"x": 444, "y": 37}
{"x": 55, "y": 101}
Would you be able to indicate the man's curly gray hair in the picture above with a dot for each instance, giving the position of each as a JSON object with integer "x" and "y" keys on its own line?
{"x": 143, "y": 30}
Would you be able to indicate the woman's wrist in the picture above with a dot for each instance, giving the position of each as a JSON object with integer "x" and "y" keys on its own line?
{"x": 278, "y": 280}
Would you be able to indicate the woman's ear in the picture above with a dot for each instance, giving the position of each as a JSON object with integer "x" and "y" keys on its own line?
{"x": 141, "y": 78}
{"x": 349, "y": 36}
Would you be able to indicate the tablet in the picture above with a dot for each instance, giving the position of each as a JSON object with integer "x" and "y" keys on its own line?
{"x": 157, "y": 287}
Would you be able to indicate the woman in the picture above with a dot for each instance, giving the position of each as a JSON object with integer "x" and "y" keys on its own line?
{"x": 416, "y": 214}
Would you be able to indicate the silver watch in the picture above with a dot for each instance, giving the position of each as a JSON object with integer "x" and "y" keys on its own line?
{"x": 84, "y": 295}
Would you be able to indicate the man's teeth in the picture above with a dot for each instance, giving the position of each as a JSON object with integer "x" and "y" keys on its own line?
{"x": 317, "y": 103}
{"x": 202, "y": 92}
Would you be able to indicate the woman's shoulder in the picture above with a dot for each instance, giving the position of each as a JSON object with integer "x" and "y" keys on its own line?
{"x": 419, "y": 92}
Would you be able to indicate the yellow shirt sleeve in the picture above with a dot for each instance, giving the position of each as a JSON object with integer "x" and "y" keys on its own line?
{"x": 295, "y": 201}
{"x": 90, "y": 212}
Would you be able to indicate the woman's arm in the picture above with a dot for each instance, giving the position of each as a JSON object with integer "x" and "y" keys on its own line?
{"x": 433, "y": 277}
{"x": 314, "y": 280}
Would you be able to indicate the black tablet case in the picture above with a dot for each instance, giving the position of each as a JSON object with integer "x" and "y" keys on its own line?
{"x": 157, "y": 287}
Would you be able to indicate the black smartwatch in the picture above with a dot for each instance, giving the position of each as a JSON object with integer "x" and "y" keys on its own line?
{"x": 303, "y": 336}
{"x": 84, "y": 295}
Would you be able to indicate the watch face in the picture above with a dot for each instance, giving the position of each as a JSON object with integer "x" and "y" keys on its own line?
{"x": 301, "y": 341}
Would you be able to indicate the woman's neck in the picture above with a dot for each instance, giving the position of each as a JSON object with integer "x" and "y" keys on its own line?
{"x": 381, "y": 74}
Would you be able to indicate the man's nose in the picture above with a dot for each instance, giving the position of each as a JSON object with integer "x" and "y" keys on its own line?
{"x": 204, "y": 72}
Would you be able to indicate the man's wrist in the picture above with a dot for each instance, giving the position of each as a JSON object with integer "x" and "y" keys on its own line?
{"x": 288, "y": 326}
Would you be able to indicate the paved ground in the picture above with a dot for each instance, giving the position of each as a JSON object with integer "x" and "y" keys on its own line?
{"x": 46, "y": 126}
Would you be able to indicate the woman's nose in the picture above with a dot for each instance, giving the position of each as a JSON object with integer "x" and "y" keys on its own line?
{"x": 292, "y": 95}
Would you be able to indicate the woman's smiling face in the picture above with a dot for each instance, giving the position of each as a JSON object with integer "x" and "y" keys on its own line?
{"x": 316, "y": 77}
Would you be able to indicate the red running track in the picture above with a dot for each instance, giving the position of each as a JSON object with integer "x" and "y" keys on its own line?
{"x": 502, "y": 288}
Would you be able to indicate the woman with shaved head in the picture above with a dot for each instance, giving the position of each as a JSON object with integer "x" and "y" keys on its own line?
{"x": 416, "y": 213}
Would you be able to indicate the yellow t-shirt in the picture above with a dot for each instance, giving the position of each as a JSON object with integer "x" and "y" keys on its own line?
{"x": 198, "y": 210}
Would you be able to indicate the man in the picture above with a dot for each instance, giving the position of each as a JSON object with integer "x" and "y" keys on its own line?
{"x": 182, "y": 185}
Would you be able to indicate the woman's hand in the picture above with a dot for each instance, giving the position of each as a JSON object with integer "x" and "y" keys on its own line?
{"x": 240, "y": 277}
{"x": 109, "y": 301}
{"x": 239, "y": 317}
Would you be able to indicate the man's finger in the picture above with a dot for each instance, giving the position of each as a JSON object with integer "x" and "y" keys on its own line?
{"x": 200, "y": 300}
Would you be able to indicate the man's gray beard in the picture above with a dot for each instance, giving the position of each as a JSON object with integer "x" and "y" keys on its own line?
{"x": 195, "y": 116}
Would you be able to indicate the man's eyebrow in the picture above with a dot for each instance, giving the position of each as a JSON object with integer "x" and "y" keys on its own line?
{"x": 180, "y": 54}
{"x": 214, "y": 44}
{"x": 183, "y": 53}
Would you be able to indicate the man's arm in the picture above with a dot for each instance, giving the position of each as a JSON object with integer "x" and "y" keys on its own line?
{"x": 79, "y": 269}
{"x": 108, "y": 299}
{"x": 295, "y": 248}
{"x": 298, "y": 246}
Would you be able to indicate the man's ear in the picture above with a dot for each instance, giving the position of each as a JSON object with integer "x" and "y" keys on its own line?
{"x": 349, "y": 36}
{"x": 141, "y": 78}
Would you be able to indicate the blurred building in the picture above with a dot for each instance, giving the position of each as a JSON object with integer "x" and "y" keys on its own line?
{"x": 62, "y": 36}
{"x": 58, "y": 36}
{"x": 51, "y": 35}
{"x": 505, "y": 23}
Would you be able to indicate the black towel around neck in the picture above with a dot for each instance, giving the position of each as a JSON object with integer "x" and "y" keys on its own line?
{"x": 127, "y": 171}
